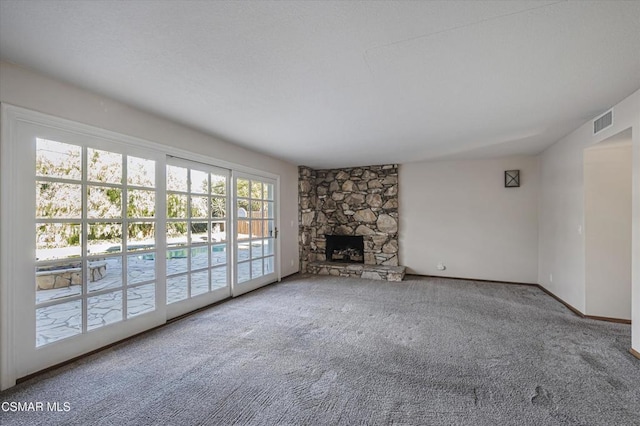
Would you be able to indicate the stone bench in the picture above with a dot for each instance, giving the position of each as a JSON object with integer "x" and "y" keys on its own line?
{"x": 359, "y": 270}
{"x": 65, "y": 277}
{"x": 97, "y": 270}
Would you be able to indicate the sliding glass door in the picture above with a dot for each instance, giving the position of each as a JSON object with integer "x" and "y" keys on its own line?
{"x": 197, "y": 235}
{"x": 95, "y": 232}
{"x": 255, "y": 232}
{"x": 105, "y": 236}
{"x": 83, "y": 242}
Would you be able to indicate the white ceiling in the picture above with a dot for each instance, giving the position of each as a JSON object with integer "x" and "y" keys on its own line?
{"x": 331, "y": 84}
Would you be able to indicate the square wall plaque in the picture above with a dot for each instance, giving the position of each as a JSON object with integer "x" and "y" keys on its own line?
{"x": 511, "y": 178}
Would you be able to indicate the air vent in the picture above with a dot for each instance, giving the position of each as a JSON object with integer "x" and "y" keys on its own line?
{"x": 603, "y": 122}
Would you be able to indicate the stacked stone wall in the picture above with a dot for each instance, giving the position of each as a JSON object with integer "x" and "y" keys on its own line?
{"x": 307, "y": 202}
{"x": 351, "y": 201}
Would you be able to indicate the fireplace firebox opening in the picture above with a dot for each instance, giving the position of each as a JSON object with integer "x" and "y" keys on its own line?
{"x": 345, "y": 248}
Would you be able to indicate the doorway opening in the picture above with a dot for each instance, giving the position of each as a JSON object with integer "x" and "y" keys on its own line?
{"x": 607, "y": 215}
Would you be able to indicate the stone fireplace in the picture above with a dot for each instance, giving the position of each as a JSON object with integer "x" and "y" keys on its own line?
{"x": 351, "y": 204}
{"x": 344, "y": 248}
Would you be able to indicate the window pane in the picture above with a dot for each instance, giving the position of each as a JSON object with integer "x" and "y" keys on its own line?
{"x": 104, "y": 273}
{"x": 56, "y": 200}
{"x": 141, "y": 268}
{"x": 219, "y": 254}
{"x": 177, "y": 261}
{"x": 243, "y": 230}
{"x": 256, "y": 268}
{"x": 269, "y": 210}
{"x": 177, "y": 179}
{"x": 58, "y": 322}
{"x": 104, "y": 309}
{"x": 199, "y": 283}
{"x": 199, "y": 257}
{"x": 199, "y": 207}
{"x": 176, "y": 289}
{"x": 56, "y": 159}
{"x": 268, "y": 265}
{"x": 199, "y": 182}
{"x": 140, "y": 236}
{"x": 199, "y": 232}
{"x": 104, "y": 203}
{"x": 269, "y": 246}
{"x": 268, "y": 227}
{"x": 58, "y": 240}
{"x": 218, "y": 277}
{"x": 176, "y": 206}
{"x": 218, "y": 184}
{"x": 218, "y": 207}
{"x": 141, "y": 172}
{"x": 244, "y": 273}
{"x": 104, "y": 166}
{"x": 243, "y": 251}
{"x": 256, "y": 228}
{"x": 256, "y": 190}
{"x": 58, "y": 281}
{"x": 242, "y": 209}
{"x": 141, "y": 299}
{"x": 256, "y": 249}
{"x": 177, "y": 234}
{"x": 218, "y": 231}
{"x": 257, "y": 208}
{"x": 268, "y": 191}
{"x": 262, "y": 211}
{"x": 242, "y": 188}
{"x": 141, "y": 204}
{"x": 104, "y": 238}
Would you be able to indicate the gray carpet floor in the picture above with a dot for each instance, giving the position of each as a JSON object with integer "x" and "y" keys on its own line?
{"x": 324, "y": 350}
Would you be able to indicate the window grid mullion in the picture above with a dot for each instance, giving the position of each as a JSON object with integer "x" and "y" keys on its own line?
{"x": 61, "y": 220}
{"x": 249, "y": 213}
{"x": 209, "y": 233}
{"x": 189, "y": 239}
{"x": 125, "y": 235}
{"x": 105, "y": 184}
{"x": 53, "y": 302}
{"x": 84, "y": 241}
{"x": 55, "y": 179}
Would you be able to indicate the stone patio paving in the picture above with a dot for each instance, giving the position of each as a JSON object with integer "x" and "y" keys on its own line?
{"x": 63, "y": 320}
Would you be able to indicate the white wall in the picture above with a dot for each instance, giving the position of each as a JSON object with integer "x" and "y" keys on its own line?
{"x": 607, "y": 228}
{"x": 28, "y": 89}
{"x": 460, "y": 213}
{"x": 561, "y": 245}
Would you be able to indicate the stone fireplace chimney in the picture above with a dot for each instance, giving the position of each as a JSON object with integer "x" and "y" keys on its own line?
{"x": 360, "y": 202}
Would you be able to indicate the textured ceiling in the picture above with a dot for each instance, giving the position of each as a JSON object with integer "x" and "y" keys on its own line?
{"x": 331, "y": 84}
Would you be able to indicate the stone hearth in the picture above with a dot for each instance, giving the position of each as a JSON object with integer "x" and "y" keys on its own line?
{"x": 372, "y": 272}
{"x": 359, "y": 201}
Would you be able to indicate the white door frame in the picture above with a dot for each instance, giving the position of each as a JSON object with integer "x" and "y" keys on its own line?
{"x": 196, "y": 302}
{"x": 20, "y": 355}
{"x": 242, "y": 288}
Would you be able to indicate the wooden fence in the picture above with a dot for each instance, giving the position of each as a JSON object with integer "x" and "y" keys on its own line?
{"x": 259, "y": 227}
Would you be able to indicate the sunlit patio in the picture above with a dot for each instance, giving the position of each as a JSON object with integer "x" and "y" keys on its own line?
{"x": 63, "y": 320}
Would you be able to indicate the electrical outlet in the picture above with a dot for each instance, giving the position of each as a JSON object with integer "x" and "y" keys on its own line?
{"x": 550, "y": 278}
{"x": 291, "y": 262}
{"x": 441, "y": 266}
